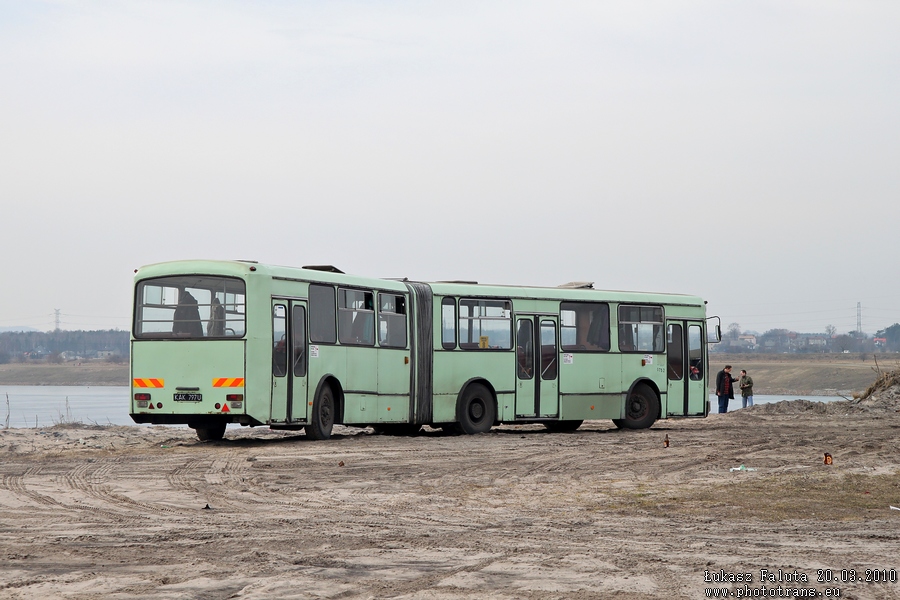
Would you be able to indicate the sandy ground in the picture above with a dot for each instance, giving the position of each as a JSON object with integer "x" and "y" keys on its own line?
{"x": 121, "y": 512}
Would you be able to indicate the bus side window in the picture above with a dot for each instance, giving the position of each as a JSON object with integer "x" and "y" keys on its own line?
{"x": 641, "y": 328}
{"x": 524, "y": 349}
{"x": 626, "y": 337}
{"x": 675, "y": 352}
{"x": 362, "y": 329}
{"x": 321, "y": 314}
{"x": 279, "y": 340}
{"x": 485, "y": 324}
{"x": 598, "y": 334}
{"x": 298, "y": 336}
{"x": 391, "y": 321}
{"x": 356, "y": 317}
{"x": 448, "y": 323}
{"x": 549, "y": 365}
{"x": 695, "y": 352}
{"x": 584, "y": 326}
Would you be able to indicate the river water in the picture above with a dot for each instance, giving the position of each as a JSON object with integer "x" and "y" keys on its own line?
{"x": 46, "y": 405}
{"x": 43, "y": 406}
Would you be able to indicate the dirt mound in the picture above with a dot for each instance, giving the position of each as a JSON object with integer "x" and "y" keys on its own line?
{"x": 883, "y": 396}
{"x": 791, "y": 407}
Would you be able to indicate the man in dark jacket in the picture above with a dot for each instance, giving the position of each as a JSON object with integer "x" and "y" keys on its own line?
{"x": 746, "y": 389}
{"x": 186, "y": 321}
{"x": 725, "y": 388}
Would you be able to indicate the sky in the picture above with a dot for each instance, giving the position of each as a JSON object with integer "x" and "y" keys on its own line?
{"x": 743, "y": 151}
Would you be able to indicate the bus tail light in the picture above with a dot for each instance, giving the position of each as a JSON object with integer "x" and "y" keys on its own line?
{"x": 142, "y": 399}
{"x": 236, "y": 400}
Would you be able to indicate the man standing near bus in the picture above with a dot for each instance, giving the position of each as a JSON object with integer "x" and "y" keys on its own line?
{"x": 746, "y": 384}
{"x": 725, "y": 388}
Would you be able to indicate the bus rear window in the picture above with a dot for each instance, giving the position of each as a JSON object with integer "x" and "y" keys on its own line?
{"x": 190, "y": 306}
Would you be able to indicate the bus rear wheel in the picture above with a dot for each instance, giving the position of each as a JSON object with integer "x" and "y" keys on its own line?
{"x": 211, "y": 433}
{"x": 641, "y": 409}
{"x": 476, "y": 411}
{"x": 321, "y": 421}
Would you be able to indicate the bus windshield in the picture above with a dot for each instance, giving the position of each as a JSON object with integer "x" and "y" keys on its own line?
{"x": 189, "y": 306}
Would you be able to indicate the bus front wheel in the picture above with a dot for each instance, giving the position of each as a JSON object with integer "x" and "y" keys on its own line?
{"x": 321, "y": 421}
{"x": 641, "y": 409}
{"x": 476, "y": 411}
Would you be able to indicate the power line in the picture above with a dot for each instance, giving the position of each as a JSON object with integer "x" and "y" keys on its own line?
{"x": 840, "y": 321}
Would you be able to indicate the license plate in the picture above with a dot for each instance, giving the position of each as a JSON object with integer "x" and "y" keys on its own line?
{"x": 188, "y": 397}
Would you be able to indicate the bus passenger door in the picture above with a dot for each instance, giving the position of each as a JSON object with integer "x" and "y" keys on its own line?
{"x": 549, "y": 372}
{"x": 537, "y": 367}
{"x": 289, "y": 362}
{"x": 297, "y": 405}
{"x": 685, "y": 369}
{"x": 525, "y": 381}
{"x": 698, "y": 395}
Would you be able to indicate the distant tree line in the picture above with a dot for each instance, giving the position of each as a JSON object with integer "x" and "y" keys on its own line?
{"x": 59, "y": 345}
{"x": 785, "y": 340}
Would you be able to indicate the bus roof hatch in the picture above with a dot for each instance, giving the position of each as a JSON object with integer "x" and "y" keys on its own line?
{"x": 326, "y": 268}
{"x": 578, "y": 285}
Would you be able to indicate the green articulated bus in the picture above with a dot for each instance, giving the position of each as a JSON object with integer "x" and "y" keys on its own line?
{"x": 218, "y": 342}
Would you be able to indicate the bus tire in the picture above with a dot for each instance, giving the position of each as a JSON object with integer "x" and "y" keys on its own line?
{"x": 321, "y": 421}
{"x": 476, "y": 411}
{"x": 562, "y": 426}
{"x": 641, "y": 409}
{"x": 212, "y": 433}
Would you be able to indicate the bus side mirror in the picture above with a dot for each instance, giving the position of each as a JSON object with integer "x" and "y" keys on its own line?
{"x": 713, "y": 334}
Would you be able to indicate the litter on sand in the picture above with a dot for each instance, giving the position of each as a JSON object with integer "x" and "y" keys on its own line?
{"x": 742, "y": 468}
{"x": 894, "y": 508}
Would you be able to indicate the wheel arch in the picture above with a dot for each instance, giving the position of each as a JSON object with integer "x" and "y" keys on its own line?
{"x": 338, "y": 390}
{"x": 653, "y": 387}
{"x": 486, "y": 384}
